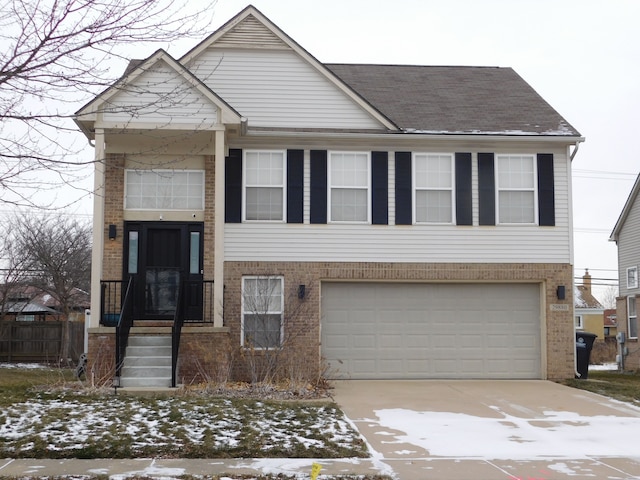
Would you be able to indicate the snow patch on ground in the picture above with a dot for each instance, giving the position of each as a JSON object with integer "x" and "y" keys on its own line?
{"x": 557, "y": 434}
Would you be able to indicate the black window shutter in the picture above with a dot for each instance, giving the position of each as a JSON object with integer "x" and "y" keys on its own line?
{"x": 295, "y": 186}
{"x": 318, "y": 192}
{"x": 233, "y": 186}
{"x": 404, "y": 213}
{"x": 464, "y": 214}
{"x": 546, "y": 191}
{"x": 380, "y": 188}
{"x": 486, "y": 189}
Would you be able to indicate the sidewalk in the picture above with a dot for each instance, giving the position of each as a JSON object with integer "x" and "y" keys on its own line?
{"x": 168, "y": 468}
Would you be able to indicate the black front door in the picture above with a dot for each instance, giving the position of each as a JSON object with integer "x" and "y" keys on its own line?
{"x": 161, "y": 256}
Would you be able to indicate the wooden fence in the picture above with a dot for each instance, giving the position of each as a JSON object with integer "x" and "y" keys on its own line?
{"x": 38, "y": 341}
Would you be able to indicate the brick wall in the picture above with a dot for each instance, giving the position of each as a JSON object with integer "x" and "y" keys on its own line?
{"x": 101, "y": 356}
{"x": 204, "y": 355}
{"x": 557, "y": 328}
{"x": 113, "y": 215}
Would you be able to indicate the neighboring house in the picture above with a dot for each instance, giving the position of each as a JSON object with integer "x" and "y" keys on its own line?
{"x": 588, "y": 311}
{"x": 610, "y": 323}
{"x": 29, "y": 303}
{"x": 626, "y": 234}
{"x": 392, "y": 221}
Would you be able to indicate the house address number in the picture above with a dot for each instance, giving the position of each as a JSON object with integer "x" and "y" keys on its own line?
{"x": 559, "y": 307}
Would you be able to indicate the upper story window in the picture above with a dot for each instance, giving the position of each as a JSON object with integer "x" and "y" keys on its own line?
{"x": 433, "y": 188}
{"x": 264, "y": 182}
{"x": 632, "y": 277}
{"x": 516, "y": 189}
{"x": 349, "y": 183}
{"x": 632, "y": 317}
{"x": 164, "y": 189}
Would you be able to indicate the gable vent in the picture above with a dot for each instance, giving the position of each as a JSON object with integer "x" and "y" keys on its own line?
{"x": 250, "y": 33}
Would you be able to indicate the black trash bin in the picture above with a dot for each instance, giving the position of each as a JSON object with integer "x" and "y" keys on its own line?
{"x": 584, "y": 344}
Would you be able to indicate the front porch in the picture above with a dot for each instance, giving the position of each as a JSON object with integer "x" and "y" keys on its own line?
{"x": 181, "y": 348}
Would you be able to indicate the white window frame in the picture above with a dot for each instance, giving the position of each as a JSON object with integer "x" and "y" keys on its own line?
{"x": 632, "y": 317}
{"x": 504, "y": 189}
{"x": 163, "y": 193}
{"x": 248, "y": 310}
{"x": 632, "y": 277}
{"x": 416, "y": 158}
{"x": 579, "y": 322}
{"x": 331, "y": 186}
{"x": 282, "y": 186}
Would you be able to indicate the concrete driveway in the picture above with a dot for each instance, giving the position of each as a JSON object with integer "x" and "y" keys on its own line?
{"x": 492, "y": 430}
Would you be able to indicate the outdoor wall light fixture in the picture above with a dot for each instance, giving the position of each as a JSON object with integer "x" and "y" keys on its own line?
{"x": 560, "y": 292}
{"x": 112, "y": 232}
{"x": 301, "y": 291}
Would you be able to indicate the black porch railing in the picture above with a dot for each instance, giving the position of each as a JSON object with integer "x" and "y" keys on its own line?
{"x": 194, "y": 304}
{"x": 176, "y": 331}
{"x": 125, "y": 322}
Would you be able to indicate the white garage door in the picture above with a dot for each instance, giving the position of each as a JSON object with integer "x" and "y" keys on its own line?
{"x": 384, "y": 331}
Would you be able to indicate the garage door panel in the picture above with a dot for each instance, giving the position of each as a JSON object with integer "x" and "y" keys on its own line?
{"x": 377, "y": 330}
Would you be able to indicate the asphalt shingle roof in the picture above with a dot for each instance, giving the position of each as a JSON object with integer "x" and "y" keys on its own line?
{"x": 455, "y": 100}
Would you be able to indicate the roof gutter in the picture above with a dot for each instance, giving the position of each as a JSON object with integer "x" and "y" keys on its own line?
{"x": 415, "y": 136}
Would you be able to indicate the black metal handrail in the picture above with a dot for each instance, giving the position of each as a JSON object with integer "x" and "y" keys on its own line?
{"x": 176, "y": 332}
{"x": 111, "y": 298}
{"x": 123, "y": 327}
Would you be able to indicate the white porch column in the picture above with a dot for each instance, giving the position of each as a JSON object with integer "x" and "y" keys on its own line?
{"x": 218, "y": 255}
{"x": 98, "y": 228}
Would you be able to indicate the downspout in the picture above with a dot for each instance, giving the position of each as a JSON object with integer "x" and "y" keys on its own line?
{"x": 575, "y": 150}
{"x": 576, "y": 374}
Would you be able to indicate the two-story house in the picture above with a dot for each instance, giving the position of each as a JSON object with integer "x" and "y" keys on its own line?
{"x": 374, "y": 221}
{"x": 626, "y": 234}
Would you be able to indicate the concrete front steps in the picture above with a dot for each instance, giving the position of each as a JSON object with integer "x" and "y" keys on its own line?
{"x": 147, "y": 362}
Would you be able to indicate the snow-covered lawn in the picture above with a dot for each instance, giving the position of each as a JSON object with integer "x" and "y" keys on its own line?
{"x": 72, "y": 423}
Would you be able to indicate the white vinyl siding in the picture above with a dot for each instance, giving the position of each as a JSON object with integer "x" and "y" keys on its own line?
{"x": 277, "y": 88}
{"x": 392, "y": 243}
{"x": 629, "y": 247}
{"x": 349, "y": 183}
{"x": 164, "y": 190}
{"x": 264, "y": 185}
{"x": 163, "y": 97}
{"x": 346, "y": 243}
{"x": 516, "y": 189}
{"x": 433, "y": 193}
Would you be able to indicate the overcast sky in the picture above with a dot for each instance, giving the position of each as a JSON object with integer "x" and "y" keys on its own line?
{"x": 582, "y": 56}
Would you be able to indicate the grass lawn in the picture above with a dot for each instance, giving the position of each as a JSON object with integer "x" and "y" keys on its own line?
{"x": 621, "y": 386}
{"x": 44, "y": 414}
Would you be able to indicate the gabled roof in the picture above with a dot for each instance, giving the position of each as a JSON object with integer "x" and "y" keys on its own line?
{"x": 28, "y": 307}
{"x": 435, "y": 100}
{"x": 625, "y": 210}
{"x": 87, "y": 114}
{"x": 583, "y": 298}
{"x": 273, "y": 37}
{"x": 455, "y": 100}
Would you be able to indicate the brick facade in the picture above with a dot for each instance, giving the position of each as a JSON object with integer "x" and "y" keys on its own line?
{"x": 557, "y": 324}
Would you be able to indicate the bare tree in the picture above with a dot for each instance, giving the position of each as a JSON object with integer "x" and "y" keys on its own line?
{"x": 609, "y": 296}
{"x": 58, "y": 250}
{"x": 57, "y": 54}
{"x": 13, "y": 265}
